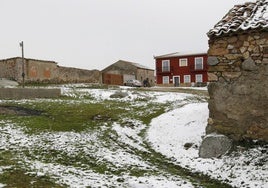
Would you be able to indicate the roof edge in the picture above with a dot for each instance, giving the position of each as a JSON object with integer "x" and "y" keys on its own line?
{"x": 28, "y": 59}
{"x": 179, "y": 54}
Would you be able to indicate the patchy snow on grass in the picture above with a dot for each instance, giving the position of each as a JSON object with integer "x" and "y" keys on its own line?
{"x": 79, "y": 178}
{"x": 155, "y": 181}
{"x": 114, "y": 146}
{"x": 104, "y": 94}
{"x": 186, "y": 88}
{"x": 169, "y": 133}
{"x": 72, "y": 144}
{"x": 129, "y": 134}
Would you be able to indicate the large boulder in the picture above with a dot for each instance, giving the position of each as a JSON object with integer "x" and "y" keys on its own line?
{"x": 215, "y": 145}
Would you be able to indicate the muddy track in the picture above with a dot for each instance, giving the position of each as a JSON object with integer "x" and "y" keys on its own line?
{"x": 18, "y": 110}
{"x": 177, "y": 89}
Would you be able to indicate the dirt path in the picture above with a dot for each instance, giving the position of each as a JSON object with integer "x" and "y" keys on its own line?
{"x": 195, "y": 91}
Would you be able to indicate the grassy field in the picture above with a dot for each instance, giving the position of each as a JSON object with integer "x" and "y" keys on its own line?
{"x": 58, "y": 142}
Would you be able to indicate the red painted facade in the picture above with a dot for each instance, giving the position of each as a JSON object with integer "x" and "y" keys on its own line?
{"x": 181, "y": 69}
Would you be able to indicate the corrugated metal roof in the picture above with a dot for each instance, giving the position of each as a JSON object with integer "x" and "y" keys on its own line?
{"x": 251, "y": 15}
{"x": 179, "y": 54}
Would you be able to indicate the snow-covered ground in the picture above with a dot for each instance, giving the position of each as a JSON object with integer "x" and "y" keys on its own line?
{"x": 184, "y": 122}
{"x": 169, "y": 132}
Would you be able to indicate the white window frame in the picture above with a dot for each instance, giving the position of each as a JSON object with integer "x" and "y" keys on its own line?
{"x": 165, "y": 66}
{"x": 182, "y": 62}
{"x": 198, "y": 77}
{"x": 187, "y": 78}
{"x": 196, "y": 63}
{"x": 165, "y": 79}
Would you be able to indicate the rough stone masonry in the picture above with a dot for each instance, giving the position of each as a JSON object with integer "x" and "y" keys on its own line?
{"x": 238, "y": 72}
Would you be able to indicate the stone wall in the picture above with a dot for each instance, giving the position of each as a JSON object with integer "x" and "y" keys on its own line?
{"x": 9, "y": 69}
{"x": 74, "y": 75}
{"x": 40, "y": 71}
{"x": 238, "y": 89}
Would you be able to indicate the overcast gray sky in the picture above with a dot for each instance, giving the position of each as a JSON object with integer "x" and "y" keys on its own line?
{"x": 92, "y": 34}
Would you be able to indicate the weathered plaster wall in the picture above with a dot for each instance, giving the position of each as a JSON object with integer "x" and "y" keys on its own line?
{"x": 39, "y": 71}
{"x": 9, "y": 69}
{"x": 238, "y": 72}
{"x": 143, "y": 74}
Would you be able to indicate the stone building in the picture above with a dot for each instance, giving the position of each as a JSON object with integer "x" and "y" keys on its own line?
{"x": 121, "y": 71}
{"x": 40, "y": 71}
{"x": 238, "y": 72}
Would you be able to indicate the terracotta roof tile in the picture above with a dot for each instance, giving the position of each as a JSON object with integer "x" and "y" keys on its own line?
{"x": 251, "y": 15}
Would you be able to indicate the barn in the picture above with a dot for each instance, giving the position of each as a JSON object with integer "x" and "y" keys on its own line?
{"x": 121, "y": 71}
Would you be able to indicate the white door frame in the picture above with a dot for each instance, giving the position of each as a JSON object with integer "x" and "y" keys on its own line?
{"x": 179, "y": 79}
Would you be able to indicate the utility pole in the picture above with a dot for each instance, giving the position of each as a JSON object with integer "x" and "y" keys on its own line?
{"x": 22, "y": 56}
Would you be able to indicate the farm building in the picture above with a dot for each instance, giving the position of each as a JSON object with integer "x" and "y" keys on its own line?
{"x": 121, "y": 71}
{"x": 238, "y": 72}
{"x": 40, "y": 71}
{"x": 181, "y": 69}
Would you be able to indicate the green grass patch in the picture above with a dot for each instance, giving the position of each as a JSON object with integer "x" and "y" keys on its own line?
{"x": 65, "y": 115}
{"x": 14, "y": 176}
{"x": 19, "y": 178}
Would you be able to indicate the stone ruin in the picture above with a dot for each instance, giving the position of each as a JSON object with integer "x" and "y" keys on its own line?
{"x": 238, "y": 90}
{"x": 238, "y": 76}
{"x": 238, "y": 73}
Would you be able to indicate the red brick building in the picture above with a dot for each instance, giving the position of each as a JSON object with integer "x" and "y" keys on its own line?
{"x": 181, "y": 69}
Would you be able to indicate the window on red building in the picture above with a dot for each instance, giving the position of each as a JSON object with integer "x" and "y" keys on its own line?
{"x": 183, "y": 62}
{"x": 165, "y": 66}
{"x": 198, "y": 63}
{"x": 165, "y": 79}
{"x": 198, "y": 78}
{"x": 187, "y": 78}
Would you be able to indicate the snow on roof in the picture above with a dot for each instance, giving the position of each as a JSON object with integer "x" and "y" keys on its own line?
{"x": 136, "y": 65}
{"x": 179, "y": 54}
{"x": 251, "y": 15}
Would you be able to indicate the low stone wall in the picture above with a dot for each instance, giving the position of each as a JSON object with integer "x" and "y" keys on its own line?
{"x": 238, "y": 89}
{"x": 28, "y": 93}
{"x": 74, "y": 75}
